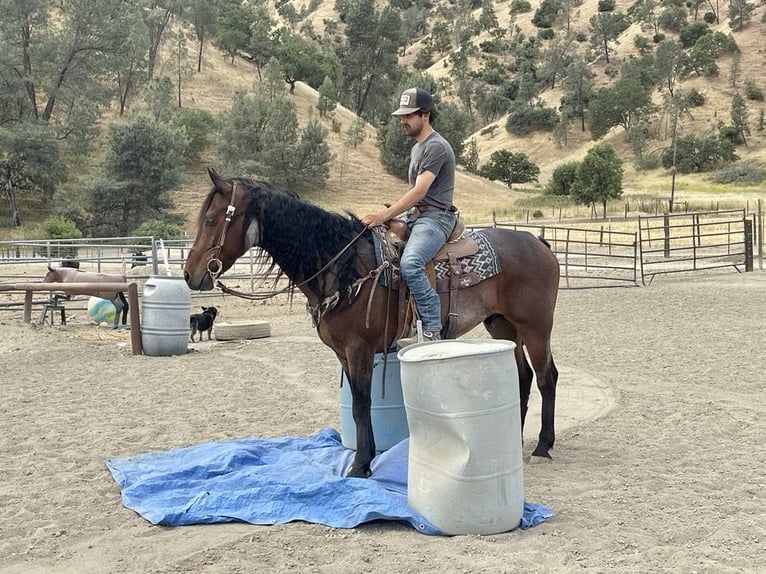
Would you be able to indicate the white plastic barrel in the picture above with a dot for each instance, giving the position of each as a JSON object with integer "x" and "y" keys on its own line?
{"x": 389, "y": 419}
{"x": 465, "y": 468}
{"x": 165, "y": 316}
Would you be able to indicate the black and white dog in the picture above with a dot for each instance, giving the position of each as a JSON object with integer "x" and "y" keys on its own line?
{"x": 201, "y": 322}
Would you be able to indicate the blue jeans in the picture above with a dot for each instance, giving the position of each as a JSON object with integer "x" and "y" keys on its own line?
{"x": 428, "y": 233}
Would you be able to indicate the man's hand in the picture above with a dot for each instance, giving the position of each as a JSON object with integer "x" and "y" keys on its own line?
{"x": 374, "y": 219}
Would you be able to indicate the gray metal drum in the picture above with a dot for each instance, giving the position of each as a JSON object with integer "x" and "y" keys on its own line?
{"x": 465, "y": 467}
{"x": 165, "y": 316}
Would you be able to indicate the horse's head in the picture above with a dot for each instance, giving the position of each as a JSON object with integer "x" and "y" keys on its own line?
{"x": 221, "y": 234}
{"x": 60, "y": 274}
{"x": 52, "y": 276}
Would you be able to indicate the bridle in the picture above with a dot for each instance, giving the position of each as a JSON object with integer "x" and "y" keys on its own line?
{"x": 215, "y": 261}
{"x": 215, "y": 251}
{"x": 318, "y": 310}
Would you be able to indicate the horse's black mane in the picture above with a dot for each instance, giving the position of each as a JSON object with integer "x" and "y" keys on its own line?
{"x": 301, "y": 237}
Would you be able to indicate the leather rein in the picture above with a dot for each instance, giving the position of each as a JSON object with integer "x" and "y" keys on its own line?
{"x": 215, "y": 265}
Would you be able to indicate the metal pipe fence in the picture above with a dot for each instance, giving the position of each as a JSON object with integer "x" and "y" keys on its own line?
{"x": 595, "y": 255}
{"x": 674, "y": 243}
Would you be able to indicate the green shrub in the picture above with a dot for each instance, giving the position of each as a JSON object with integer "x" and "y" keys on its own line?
{"x": 424, "y": 59}
{"x": 58, "y": 227}
{"x": 520, "y": 7}
{"x": 752, "y": 91}
{"x": 159, "y": 228}
{"x": 695, "y": 154}
{"x": 695, "y": 99}
{"x": 691, "y": 33}
{"x": 197, "y": 125}
{"x": 546, "y": 13}
{"x": 545, "y": 33}
{"x": 641, "y": 43}
{"x": 525, "y": 119}
{"x": 745, "y": 172}
{"x": 606, "y": 5}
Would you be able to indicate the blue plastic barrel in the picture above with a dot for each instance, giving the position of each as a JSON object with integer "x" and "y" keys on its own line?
{"x": 389, "y": 418}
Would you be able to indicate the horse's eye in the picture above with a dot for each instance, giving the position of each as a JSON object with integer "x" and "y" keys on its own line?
{"x": 209, "y": 222}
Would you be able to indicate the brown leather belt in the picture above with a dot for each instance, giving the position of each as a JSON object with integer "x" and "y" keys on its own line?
{"x": 431, "y": 208}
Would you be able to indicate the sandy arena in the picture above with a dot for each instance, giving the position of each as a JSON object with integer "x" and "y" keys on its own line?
{"x": 658, "y": 464}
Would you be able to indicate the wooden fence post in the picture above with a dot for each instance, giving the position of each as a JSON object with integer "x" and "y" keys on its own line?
{"x": 748, "y": 245}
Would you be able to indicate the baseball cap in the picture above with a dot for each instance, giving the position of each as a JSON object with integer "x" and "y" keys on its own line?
{"x": 412, "y": 100}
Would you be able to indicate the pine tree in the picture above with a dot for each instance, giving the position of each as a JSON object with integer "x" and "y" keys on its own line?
{"x": 740, "y": 117}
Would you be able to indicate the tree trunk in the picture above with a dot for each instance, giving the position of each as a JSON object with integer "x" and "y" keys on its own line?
{"x": 199, "y": 53}
{"x": 12, "y": 197}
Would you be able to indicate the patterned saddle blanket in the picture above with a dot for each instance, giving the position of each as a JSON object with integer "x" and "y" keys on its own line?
{"x": 481, "y": 264}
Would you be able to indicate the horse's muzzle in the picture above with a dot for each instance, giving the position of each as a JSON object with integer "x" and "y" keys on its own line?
{"x": 198, "y": 282}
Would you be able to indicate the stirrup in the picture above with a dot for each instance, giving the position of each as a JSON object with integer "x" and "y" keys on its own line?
{"x": 427, "y": 336}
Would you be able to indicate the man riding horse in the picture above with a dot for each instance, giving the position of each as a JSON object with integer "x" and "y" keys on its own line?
{"x": 431, "y": 215}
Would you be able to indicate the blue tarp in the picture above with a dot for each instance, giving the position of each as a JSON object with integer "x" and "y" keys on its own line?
{"x": 273, "y": 481}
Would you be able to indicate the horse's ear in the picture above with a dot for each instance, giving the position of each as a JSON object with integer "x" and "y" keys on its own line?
{"x": 50, "y": 268}
{"x": 215, "y": 178}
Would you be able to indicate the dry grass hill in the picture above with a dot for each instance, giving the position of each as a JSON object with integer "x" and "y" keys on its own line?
{"x": 358, "y": 183}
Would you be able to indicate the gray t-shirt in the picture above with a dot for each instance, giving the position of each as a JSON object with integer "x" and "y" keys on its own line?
{"x": 434, "y": 154}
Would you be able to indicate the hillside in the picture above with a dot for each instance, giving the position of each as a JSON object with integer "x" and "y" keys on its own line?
{"x": 358, "y": 183}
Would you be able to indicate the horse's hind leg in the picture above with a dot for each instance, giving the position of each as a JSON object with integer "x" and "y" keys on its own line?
{"x": 125, "y": 308}
{"x": 538, "y": 347}
{"x": 121, "y": 307}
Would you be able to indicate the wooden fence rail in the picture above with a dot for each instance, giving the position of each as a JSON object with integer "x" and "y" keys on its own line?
{"x": 80, "y": 289}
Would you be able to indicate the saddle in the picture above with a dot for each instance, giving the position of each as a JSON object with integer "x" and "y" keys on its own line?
{"x": 454, "y": 267}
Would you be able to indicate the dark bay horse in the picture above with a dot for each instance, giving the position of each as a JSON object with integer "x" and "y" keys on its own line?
{"x": 311, "y": 248}
{"x": 71, "y": 275}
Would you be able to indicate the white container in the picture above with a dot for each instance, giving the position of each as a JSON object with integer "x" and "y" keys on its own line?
{"x": 165, "y": 316}
{"x": 389, "y": 419}
{"x": 465, "y": 468}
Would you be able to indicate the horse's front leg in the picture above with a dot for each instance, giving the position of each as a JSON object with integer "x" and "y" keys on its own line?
{"x": 359, "y": 372}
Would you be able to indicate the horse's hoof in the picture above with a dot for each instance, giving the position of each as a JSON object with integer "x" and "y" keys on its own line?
{"x": 538, "y": 459}
{"x": 358, "y": 473}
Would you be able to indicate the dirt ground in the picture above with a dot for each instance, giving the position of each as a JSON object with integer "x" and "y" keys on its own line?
{"x": 658, "y": 465}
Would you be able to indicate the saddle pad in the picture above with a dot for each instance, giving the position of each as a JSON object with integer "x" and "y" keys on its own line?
{"x": 474, "y": 268}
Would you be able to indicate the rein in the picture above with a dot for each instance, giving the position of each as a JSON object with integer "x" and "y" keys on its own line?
{"x": 215, "y": 251}
{"x": 269, "y": 294}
